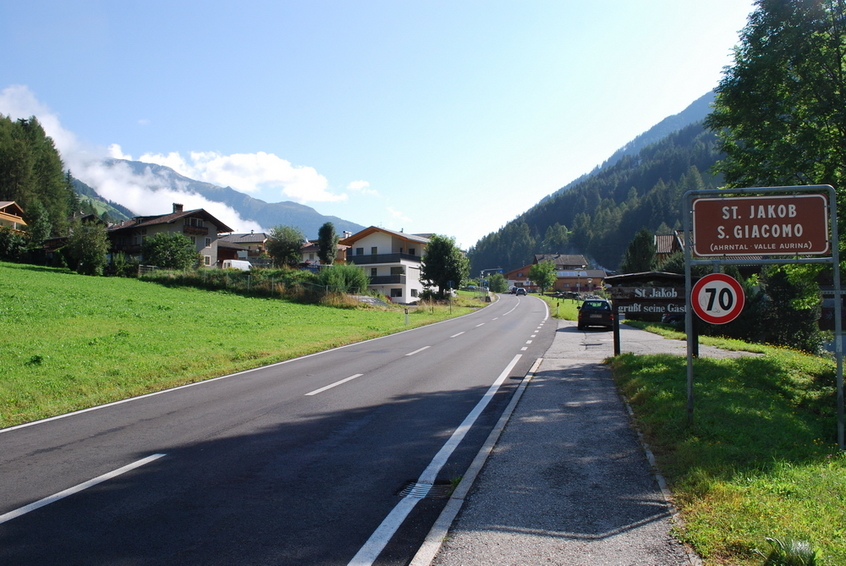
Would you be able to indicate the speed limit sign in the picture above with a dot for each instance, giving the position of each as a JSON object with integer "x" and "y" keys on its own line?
{"x": 717, "y": 298}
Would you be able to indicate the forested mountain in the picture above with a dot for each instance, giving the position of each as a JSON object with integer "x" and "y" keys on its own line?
{"x": 267, "y": 215}
{"x": 599, "y": 214}
{"x": 694, "y": 113}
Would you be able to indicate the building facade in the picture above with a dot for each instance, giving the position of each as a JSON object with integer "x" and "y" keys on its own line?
{"x": 391, "y": 259}
{"x": 198, "y": 225}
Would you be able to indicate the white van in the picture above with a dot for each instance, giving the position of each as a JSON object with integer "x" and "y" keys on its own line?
{"x": 236, "y": 264}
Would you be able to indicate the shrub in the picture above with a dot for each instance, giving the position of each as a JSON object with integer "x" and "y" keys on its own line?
{"x": 343, "y": 278}
{"x": 13, "y": 246}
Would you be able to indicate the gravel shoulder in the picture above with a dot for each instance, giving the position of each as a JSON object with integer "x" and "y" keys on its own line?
{"x": 567, "y": 481}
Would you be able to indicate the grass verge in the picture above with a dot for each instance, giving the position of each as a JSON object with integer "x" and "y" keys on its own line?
{"x": 761, "y": 459}
{"x": 70, "y": 342}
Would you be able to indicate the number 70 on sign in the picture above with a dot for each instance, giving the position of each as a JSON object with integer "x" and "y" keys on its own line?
{"x": 717, "y": 298}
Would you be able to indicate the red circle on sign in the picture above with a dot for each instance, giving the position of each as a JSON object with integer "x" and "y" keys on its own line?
{"x": 717, "y": 298}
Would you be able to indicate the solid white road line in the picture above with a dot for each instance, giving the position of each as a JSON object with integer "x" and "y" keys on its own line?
{"x": 438, "y": 534}
{"x": 418, "y": 351}
{"x": 383, "y": 533}
{"x": 336, "y": 384}
{"x": 76, "y": 489}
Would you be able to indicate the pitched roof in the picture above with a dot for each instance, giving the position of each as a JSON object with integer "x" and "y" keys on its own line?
{"x": 11, "y": 207}
{"x": 562, "y": 259}
{"x": 145, "y": 221}
{"x": 251, "y": 238}
{"x": 416, "y": 238}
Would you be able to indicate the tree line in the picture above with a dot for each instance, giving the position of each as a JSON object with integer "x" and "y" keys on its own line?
{"x": 32, "y": 174}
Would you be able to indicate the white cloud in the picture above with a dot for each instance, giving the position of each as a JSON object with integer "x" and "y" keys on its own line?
{"x": 362, "y": 187}
{"x": 17, "y": 101}
{"x": 116, "y": 152}
{"x": 250, "y": 173}
{"x": 398, "y": 215}
{"x": 148, "y": 194}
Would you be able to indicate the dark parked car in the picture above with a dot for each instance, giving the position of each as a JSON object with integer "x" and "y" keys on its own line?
{"x": 675, "y": 318}
{"x": 596, "y": 312}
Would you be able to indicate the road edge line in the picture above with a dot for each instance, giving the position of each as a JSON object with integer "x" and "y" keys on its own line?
{"x": 438, "y": 533}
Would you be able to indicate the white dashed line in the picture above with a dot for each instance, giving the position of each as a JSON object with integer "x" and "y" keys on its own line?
{"x": 418, "y": 351}
{"x": 336, "y": 384}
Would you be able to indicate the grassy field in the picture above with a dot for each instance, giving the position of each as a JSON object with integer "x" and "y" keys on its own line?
{"x": 761, "y": 458}
{"x": 71, "y": 342}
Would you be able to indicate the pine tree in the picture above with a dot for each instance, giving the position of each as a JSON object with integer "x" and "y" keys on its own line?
{"x": 640, "y": 255}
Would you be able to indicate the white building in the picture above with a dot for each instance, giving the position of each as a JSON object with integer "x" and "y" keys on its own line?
{"x": 391, "y": 259}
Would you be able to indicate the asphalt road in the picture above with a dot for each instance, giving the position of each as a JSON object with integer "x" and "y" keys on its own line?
{"x": 303, "y": 462}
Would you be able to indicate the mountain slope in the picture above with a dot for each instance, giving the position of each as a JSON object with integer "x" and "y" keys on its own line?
{"x": 267, "y": 215}
{"x": 600, "y": 213}
{"x": 695, "y": 112}
{"x": 115, "y": 211}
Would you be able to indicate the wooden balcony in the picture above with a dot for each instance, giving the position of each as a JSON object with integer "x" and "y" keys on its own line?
{"x": 367, "y": 259}
{"x": 195, "y": 230}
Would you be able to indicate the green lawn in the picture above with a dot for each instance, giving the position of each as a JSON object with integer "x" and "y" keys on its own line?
{"x": 71, "y": 341}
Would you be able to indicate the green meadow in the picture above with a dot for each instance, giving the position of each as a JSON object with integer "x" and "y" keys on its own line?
{"x": 69, "y": 341}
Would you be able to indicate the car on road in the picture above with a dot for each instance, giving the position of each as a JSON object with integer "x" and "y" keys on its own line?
{"x": 595, "y": 312}
{"x": 520, "y": 291}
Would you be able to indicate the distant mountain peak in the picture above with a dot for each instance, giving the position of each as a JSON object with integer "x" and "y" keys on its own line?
{"x": 265, "y": 214}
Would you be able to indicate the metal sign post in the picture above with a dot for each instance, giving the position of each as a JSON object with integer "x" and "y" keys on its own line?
{"x": 748, "y": 227}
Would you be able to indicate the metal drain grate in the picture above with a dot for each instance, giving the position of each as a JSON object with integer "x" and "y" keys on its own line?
{"x": 436, "y": 491}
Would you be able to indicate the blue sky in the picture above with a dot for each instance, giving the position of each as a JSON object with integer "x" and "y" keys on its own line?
{"x": 444, "y": 117}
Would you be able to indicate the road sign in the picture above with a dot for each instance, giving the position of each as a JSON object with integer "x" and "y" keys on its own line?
{"x": 717, "y": 298}
{"x": 761, "y": 225}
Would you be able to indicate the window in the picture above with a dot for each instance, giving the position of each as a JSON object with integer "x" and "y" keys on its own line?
{"x": 396, "y": 292}
{"x": 398, "y": 270}
{"x": 359, "y": 251}
{"x": 410, "y": 251}
{"x": 374, "y": 250}
{"x": 414, "y": 292}
{"x": 206, "y": 260}
{"x": 208, "y": 242}
{"x": 372, "y": 272}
